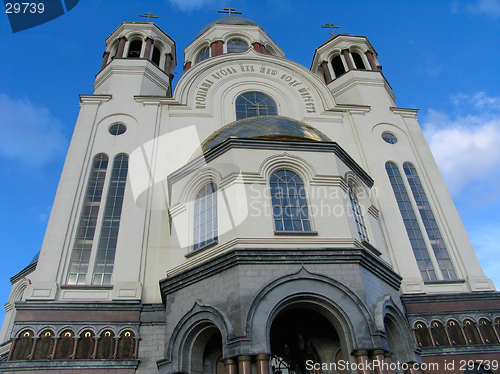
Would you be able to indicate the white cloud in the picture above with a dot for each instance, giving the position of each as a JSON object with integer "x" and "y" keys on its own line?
{"x": 467, "y": 149}
{"x": 489, "y": 7}
{"x": 29, "y": 133}
{"x": 485, "y": 242}
{"x": 189, "y": 5}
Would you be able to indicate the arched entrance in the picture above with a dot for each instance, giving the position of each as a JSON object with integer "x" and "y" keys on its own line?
{"x": 300, "y": 338}
{"x": 206, "y": 352}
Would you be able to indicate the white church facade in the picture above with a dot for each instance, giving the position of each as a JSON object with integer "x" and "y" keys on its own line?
{"x": 260, "y": 217}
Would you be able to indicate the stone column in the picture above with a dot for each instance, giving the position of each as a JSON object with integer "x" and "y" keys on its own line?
{"x": 121, "y": 47}
{"x": 12, "y": 346}
{"x": 362, "y": 362}
{"x": 168, "y": 63}
{"x": 216, "y": 48}
{"x": 262, "y": 364}
{"x": 258, "y": 47}
{"x": 378, "y": 361}
{"x": 75, "y": 347}
{"x": 105, "y": 58}
{"x": 388, "y": 361}
{"x": 326, "y": 72}
{"x": 230, "y": 366}
{"x": 371, "y": 60}
{"x": 94, "y": 352}
{"x": 348, "y": 60}
{"x": 115, "y": 352}
{"x": 54, "y": 347}
{"x": 35, "y": 340}
{"x": 149, "y": 43}
{"x": 136, "y": 348}
{"x": 187, "y": 66}
{"x": 244, "y": 365}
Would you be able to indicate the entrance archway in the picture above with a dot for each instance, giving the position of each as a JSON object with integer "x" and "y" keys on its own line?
{"x": 300, "y": 338}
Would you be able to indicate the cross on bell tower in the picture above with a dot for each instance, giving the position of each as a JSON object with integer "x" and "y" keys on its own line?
{"x": 229, "y": 11}
{"x": 331, "y": 27}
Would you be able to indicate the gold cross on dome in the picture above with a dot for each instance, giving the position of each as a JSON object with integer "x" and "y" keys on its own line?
{"x": 229, "y": 11}
{"x": 331, "y": 27}
{"x": 148, "y": 15}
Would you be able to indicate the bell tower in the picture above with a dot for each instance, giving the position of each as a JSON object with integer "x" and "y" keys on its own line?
{"x": 139, "y": 60}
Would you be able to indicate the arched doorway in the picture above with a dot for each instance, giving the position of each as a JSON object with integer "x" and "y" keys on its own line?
{"x": 300, "y": 338}
{"x": 206, "y": 352}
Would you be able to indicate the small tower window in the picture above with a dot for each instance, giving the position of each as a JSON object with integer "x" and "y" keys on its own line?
{"x": 255, "y": 104}
{"x": 358, "y": 61}
{"x": 338, "y": 66}
{"x": 156, "y": 56}
{"x": 236, "y": 45}
{"x": 135, "y": 48}
{"x": 203, "y": 54}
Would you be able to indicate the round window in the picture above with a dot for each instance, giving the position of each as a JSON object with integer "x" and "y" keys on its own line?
{"x": 389, "y": 137}
{"x": 117, "y": 129}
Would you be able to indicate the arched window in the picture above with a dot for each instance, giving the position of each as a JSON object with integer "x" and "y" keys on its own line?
{"x": 430, "y": 224}
{"x": 85, "y": 347}
{"x": 487, "y": 331}
{"x": 44, "y": 346}
{"x": 358, "y": 61}
{"x": 65, "y": 345}
{"x": 455, "y": 333}
{"x": 103, "y": 269}
{"x": 236, "y": 45}
{"x": 290, "y": 209}
{"x": 255, "y": 104}
{"x": 23, "y": 345}
{"x": 411, "y": 223}
{"x": 156, "y": 56}
{"x": 134, "y": 49}
{"x": 205, "y": 216}
{"x": 422, "y": 335}
{"x": 471, "y": 332}
{"x": 203, "y": 54}
{"x": 439, "y": 334}
{"x": 338, "y": 66}
{"x": 88, "y": 222}
{"x": 358, "y": 215}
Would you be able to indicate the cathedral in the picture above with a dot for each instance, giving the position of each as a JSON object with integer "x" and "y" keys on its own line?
{"x": 259, "y": 217}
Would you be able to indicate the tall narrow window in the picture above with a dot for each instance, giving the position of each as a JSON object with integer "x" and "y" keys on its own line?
{"x": 411, "y": 223}
{"x": 289, "y": 202}
{"x": 358, "y": 215}
{"x": 255, "y": 104}
{"x": 205, "y": 216}
{"x": 88, "y": 222}
{"x": 236, "y": 45}
{"x": 105, "y": 259}
{"x": 430, "y": 224}
{"x": 338, "y": 66}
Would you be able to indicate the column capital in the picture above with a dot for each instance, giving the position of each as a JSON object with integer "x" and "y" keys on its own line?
{"x": 244, "y": 358}
{"x": 360, "y": 353}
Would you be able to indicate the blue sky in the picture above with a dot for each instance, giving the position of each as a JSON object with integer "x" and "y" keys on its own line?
{"x": 441, "y": 57}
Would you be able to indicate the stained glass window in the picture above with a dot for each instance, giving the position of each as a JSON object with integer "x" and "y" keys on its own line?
{"x": 358, "y": 215}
